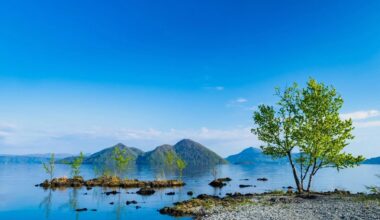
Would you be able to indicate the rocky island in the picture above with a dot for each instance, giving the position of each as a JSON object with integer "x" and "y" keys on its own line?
{"x": 108, "y": 181}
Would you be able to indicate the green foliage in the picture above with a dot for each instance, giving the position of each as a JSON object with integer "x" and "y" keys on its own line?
{"x": 49, "y": 167}
{"x": 173, "y": 161}
{"x": 121, "y": 160}
{"x": 169, "y": 158}
{"x": 76, "y": 164}
{"x": 181, "y": 165}
{"x": 307, "y": 120}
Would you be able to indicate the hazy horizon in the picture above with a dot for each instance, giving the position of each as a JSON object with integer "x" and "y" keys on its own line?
{"x": 77, "y": 78}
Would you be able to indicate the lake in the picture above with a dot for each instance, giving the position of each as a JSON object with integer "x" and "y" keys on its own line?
{"x": 20, "y": 199}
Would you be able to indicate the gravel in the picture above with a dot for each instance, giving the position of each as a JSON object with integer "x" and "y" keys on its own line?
{"x": 284, "y": 208}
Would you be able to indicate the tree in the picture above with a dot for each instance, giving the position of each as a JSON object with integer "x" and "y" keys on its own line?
{"x": 121, "y": 160}
{"x": 278, "y": 128}
{"x": 76, "y": 164}
{"x": 306, "y": 120}
{"x": 173, "y": 161}
{"x": 181, "y": 165}
{"x": 169, "y": 158}
{"x": 49, "y": 167}
{"x": 323, "y": 134}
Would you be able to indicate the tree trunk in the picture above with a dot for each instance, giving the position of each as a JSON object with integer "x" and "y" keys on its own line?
{"x": 309, "y": 183}
{"x": 295, "y": 175}
{"x": 313, "y": 171}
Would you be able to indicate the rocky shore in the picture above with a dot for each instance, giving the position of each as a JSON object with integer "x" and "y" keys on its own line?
{"x": 281, "y": 206}
{"x": 108, "y": 181}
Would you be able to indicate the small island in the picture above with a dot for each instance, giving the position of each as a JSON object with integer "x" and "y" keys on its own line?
{"x": 108, "y": 181}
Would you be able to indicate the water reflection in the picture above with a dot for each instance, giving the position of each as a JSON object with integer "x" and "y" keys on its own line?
{"x": 46, "y": 204}
{"x": 17, "y": 189}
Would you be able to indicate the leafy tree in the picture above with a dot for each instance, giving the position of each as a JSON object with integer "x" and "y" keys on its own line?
{"x": 174, "y": 161}
{"x": 121, "y": 160}
{"x": 49, "y": 167}
{"x": 170, "y": 158}
{"x": 277, "y": 128}
{"x": 181, "y": 165}
{"x": 76, "y": 164}
{"x": 323, "y": 135}
{"x": 306, "y": 120}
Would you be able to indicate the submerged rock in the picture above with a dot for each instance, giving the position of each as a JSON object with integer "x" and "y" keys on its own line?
{"x": 226, "y": 179}
{"x": 146, "y": 191}
{"x": 131, "y": 202}
{"x": 217, "y": 183}
{"x": 170, "y": 193}
{"x": 111, "y": 193}
{"x": 190, "y": 193}
{"x": 244, "y": 186}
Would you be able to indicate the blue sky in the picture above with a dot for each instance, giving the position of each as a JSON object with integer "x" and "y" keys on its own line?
{"x": 83, "y": 75}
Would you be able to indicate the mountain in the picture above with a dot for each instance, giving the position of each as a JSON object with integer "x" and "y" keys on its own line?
{"x": 374, "y": 160}
{"x": 195, "y": 154}
{"x": 157, "y": 156}
{"x": 28, "y": 159}
{"x": 253, "y": 155}
{"x": 11, "y": 159}
{"x": 104, "y": 156}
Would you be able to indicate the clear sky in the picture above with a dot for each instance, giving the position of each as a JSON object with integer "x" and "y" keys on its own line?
{"x": 84, "y": 75}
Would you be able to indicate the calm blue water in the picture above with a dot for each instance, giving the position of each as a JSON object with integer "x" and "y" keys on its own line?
{"x": 20, "y": 199}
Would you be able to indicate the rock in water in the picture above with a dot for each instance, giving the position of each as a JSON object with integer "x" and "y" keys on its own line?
{"x": 131, "y": 202}
{"x": 244, "y": 186}
{"x": 111, "y": 193}
{"x": 217, "y": 183}
{"x": 146, "y": 191}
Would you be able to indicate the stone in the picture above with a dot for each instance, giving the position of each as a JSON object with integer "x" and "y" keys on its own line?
{"x": 244, "y": 186}
{"x": 131, "y": 202}
{"x": 217, "y": 183}
{"x": 146, "y": 191}
{"x": 111, "y": 193}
